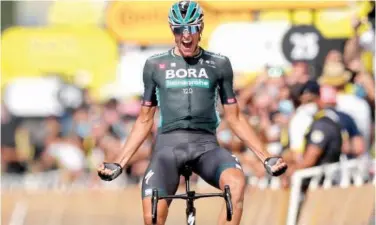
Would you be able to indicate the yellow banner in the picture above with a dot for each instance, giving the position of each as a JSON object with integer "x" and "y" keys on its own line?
{"x": 336, "y": 23}
{"x": 139, "y": 22}
{"x": 75, "y": 13}
{"x": 226, "y": 5}
{"x": 146, "y": 23}
{"x": 59, "y": 50}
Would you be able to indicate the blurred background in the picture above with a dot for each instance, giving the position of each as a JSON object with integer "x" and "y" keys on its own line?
{"x": 71, "y": 85}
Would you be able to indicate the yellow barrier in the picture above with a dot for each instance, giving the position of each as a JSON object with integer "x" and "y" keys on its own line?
{"x": 262, "y": 207}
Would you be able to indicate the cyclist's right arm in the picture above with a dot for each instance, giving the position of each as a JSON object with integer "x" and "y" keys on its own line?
{"x": 145, "y": 119}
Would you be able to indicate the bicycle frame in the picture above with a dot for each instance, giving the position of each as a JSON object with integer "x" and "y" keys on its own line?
{"x": 190, "y": 196}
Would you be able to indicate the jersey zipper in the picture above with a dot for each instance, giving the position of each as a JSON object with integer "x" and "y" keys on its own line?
{"x": 189, "y": 94}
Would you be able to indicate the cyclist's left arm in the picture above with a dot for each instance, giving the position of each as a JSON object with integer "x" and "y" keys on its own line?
{"x": 234, "y": 117}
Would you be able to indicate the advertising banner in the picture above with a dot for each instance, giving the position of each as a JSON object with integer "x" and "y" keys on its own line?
{"x": 146, "y": 23}
{"x": 64, "y": 51}
{"x": 226, "y": 5}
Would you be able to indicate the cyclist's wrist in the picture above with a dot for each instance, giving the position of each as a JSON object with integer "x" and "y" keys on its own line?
{"x": 121, "y": 162}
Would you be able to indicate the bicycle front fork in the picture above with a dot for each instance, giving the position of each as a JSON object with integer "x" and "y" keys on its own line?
{"x": 191, "y": 216}
{"x": 191, "y": 210}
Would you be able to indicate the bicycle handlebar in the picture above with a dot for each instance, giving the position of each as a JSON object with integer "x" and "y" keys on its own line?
{"x": 190, "y": 196}
{"x": 196, "y": 196}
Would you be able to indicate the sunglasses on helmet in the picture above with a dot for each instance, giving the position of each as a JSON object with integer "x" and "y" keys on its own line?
{"x": 181, "y": 29}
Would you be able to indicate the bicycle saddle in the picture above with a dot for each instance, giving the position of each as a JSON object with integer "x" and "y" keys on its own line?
{"x": 186, "y": 171}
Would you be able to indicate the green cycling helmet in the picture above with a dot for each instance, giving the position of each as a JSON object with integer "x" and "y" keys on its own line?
{"x": 185, "y": 13}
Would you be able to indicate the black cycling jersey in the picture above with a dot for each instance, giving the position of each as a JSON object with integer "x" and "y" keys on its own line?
{"x": 186, "y": 89}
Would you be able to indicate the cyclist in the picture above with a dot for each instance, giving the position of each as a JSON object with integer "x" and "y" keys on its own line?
{"x": 184, "y": 82}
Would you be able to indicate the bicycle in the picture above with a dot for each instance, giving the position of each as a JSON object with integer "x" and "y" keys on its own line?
{"x": 190, "y": 196}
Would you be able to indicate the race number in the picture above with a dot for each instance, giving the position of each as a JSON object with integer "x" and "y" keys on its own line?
{"x": 305, "y": 46}
{"x": 302, "y": 43}
{"x": 187, "y": 91}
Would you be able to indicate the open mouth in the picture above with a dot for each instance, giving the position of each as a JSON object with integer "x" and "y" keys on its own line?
{"x": 187, "y": 44}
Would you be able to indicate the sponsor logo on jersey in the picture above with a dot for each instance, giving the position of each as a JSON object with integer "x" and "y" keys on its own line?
{"x": 231, "y": 100}
{"x": 148, "y": 176}
{"x": 187, "y": 77}
{"x": 148, "y": 192}
{"x": 215, "y": 55}
{"x": 317, "y": 136}
{"x": 162, "y": 66}
{"x": 159, "y": 55}
{"x": 147, "y": 103}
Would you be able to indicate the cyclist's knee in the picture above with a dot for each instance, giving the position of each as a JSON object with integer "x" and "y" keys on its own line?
{"x": 148, "y": 220}
{"x": 236, "y": 180}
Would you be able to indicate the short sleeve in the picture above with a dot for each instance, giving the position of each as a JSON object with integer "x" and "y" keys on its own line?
{"x": 226, "y": 91}
{"x": 150, "y": 97}
{"x": 351, "y": 127}
{"x": 319, "y": 135}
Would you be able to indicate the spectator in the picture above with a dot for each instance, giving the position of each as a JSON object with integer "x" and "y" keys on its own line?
{"x": 335, "y": 75}
{"x": 66, "y": 154}
{"x": 303, "y": 117}
{"x": 333, "y": 56}
{"x": 353, "y": 140}
{"x": 299, "y": 74}
{"x": 10, "y": 160}
{"x": 322, "y": 141}
{"x": 364, "y": 41}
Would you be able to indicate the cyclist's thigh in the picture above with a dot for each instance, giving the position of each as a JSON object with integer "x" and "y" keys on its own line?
{"x": 211, "y": 164}
{"x": 162, "y": 173}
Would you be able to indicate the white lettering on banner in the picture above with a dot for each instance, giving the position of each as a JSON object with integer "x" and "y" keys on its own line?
{"x": 183, "y": 73}
{"x": 305, "y": 46}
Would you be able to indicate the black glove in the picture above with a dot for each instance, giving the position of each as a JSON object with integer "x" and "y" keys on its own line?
{"x": 271, "y": 161}
{"x": 116, "y": 171}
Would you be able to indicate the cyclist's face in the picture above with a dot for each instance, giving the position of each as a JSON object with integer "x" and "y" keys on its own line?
{"x": 187, "y": 39}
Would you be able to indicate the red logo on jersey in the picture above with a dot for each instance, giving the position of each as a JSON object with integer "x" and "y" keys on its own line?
{"x": 147, "y": 103}
{"x": 231, "y": 100}
{"x": 162, "y": 66}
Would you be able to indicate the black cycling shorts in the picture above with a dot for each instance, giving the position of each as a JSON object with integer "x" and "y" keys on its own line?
{"x": 174, "y": 150}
